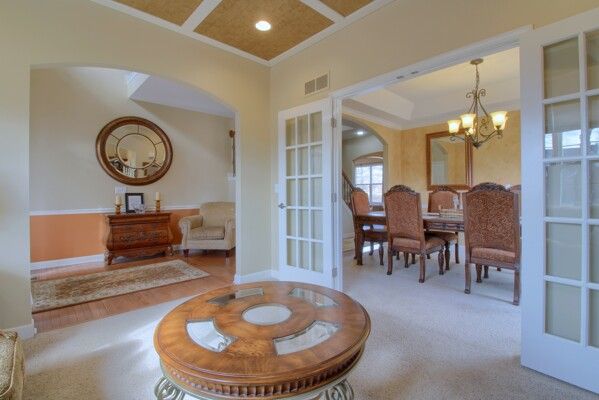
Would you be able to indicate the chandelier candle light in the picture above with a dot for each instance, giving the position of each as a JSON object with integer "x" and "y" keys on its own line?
{"x": 478, "y": 124}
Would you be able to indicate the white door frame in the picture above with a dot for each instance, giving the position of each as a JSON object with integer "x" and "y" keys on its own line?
{"x": 489, "y": 46}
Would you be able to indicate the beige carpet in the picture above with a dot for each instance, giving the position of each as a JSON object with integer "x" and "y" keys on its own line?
{"x": 56, "y": 293}
{"x": 429, "y": 341}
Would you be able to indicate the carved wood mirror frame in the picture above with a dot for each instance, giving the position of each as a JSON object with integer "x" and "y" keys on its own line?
{"x": 467, "y": 162}
{"x": 107, "y": 131}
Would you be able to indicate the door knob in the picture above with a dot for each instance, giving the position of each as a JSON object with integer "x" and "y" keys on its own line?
{"x": 282, "y": 206}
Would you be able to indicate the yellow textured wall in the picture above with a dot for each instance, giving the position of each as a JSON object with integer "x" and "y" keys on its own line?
{"x": 496, "y": 161}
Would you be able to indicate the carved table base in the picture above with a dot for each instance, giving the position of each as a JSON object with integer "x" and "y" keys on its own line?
{"x": 337, "y": 390}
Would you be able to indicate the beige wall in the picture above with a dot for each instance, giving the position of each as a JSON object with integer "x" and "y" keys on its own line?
{"x": 69, "y": 106}
{"x": 357, "y": 147}
{"x": 74, "y": 32}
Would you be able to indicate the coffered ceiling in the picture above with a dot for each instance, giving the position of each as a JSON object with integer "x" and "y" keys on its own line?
{"x": 230, "y": 24}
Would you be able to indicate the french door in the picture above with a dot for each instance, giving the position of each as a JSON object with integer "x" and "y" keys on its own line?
{"x": 305, "y": 200}
{"x": 560, "y": 197}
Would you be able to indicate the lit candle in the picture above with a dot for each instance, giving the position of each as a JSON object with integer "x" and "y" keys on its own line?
{"x": 117, "y": 200}
{"x": 157, "y": 196}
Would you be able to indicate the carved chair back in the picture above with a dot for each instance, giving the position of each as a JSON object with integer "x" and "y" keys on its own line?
{"x": 359, "y": 202}
{"x": 442, "y": 197}
{"x": 404, "y": 214}
{"x": 491, "y": 218}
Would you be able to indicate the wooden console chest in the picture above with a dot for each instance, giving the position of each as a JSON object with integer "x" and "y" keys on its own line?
{"x": 135, "y": 235}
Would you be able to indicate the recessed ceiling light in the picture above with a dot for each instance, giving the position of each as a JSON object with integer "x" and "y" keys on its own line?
{"x": 359, "y": 133}
{"x": 263, "y": 26}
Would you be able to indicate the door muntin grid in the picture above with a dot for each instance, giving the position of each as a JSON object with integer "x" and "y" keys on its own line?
{"x": 304, "y": 191}
{"x": 571, "y": 142}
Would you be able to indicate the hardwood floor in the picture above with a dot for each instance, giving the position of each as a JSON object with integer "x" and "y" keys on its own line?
{"x": 221, "y": 272}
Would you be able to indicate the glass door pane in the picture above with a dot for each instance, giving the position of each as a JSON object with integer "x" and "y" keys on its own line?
{"x": 561, "y": 68}
{"x": 593, "y": 60}
{"x": 304, "y": 166}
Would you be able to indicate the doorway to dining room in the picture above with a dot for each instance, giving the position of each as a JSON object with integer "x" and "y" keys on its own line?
{"x": 411, "y": 115}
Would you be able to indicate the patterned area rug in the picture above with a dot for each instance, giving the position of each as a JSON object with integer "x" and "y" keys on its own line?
{"x": 57, "y": 293}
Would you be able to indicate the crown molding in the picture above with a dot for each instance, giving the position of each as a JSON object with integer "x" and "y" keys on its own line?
{"x": 362, "y": 115}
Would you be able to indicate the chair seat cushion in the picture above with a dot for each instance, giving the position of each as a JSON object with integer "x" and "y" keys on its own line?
{"x": 11, "y": 366}
{"x": 487, "y": 253}
{"x": 207, "y": 233}
{"x": 446, "y": 236}
{"x": 375, "y": 228}
{"x": 431, "y": 242}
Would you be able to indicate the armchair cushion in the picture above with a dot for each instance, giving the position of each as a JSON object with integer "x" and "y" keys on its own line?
{"x": 207, "y": 233}
{"x": 213, "y": 229}
{"x": 11, "y": 366}
{"x": 431, "y": 242}
{"x": 486, "y": 253}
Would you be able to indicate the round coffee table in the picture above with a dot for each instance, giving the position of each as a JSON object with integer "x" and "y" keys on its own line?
{"x": 265, "y": 340}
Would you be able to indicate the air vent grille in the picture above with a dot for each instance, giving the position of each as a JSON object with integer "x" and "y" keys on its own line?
{"x": 317, "y": 84}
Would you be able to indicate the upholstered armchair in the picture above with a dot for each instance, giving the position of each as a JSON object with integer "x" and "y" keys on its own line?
{"x": 212, "y": 229}
{"x": 492, "y": 232}
{"x": 372, "y": 233}
{"x": 12, "y": 370}
{"x": 444, "y": 197}
{"x": 406, "y": 229}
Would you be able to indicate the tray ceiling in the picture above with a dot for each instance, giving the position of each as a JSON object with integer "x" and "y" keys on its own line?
{"x": 230, "y": 24}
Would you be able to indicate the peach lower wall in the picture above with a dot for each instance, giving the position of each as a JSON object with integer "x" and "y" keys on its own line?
{"x": 55, "y": 237}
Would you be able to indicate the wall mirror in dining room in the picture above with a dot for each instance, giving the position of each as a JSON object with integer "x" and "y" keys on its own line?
{"x": 134, "y": 151}
{"x": 448, "y": 161}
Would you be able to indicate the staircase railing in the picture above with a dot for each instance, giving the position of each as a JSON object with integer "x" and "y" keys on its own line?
{"x": 347, "y": 188}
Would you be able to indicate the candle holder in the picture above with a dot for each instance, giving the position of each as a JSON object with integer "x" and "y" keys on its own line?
{"x": 157, "y": 206}
{"x": 117, "y": 209}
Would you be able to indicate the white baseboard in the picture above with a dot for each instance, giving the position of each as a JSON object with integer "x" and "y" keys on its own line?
{"x": 348, "y": 235}
{"x": 24, "y": 331}
{"x": 65, "y": 262}
{"x": 266, "y": 275}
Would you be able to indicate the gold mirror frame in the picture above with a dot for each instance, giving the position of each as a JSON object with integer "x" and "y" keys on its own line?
{"x": 467, "y": 162}
{"x": 110, "y": 170}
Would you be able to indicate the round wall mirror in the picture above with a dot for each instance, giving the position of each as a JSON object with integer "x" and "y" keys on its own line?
{"x": 134, "y": 151}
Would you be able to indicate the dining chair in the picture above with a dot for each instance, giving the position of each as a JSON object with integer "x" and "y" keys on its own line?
{"x": 492, "y": 232}
{"x": 373, "y": 233}
{"x": 444, "y": 197}
{"x": 406, "y": 229}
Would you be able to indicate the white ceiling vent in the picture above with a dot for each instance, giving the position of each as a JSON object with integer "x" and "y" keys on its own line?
{"x": 316, "y": 85}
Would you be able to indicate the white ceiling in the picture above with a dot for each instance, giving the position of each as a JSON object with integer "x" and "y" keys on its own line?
{"x": 153, "y": 89}
{"x": 441, "y": 95}
{"x": 350, "y": 130}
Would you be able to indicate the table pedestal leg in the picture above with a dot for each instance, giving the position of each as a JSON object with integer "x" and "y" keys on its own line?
{"x": 165, "y": 390}
{"x": 341, "y": 391}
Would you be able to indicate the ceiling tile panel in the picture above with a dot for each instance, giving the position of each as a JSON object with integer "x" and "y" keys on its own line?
{"x": 346, "y": 7}
{"x": 175, "y": 11}
{"x": 233, "y": 22}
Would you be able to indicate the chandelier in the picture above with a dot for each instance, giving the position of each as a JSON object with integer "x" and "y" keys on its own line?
{"x": 479, "y": 126}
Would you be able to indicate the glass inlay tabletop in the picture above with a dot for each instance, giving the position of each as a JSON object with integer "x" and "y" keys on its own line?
{"x": 318, "y": 299}
{"x": 206, "y": 335}
{"x": 266, "y": 314}
{"x": 313, "y": 335}
{"x": 273, "y": 340}
{"x": 240, "y": 294}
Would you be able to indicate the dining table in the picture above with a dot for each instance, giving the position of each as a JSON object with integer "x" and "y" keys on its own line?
{"x": 431, "y": 221}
